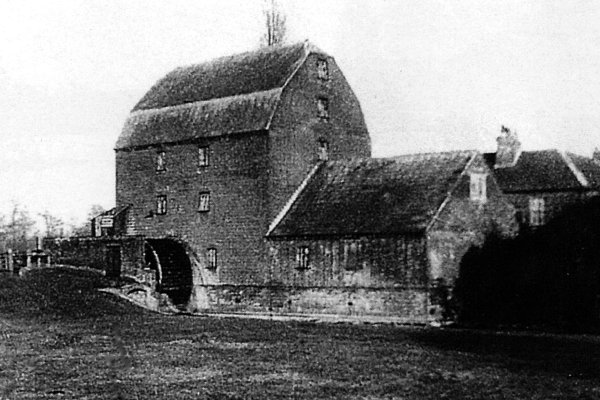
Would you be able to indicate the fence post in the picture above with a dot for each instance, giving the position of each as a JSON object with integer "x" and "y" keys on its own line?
{"x": 9, "y": 260}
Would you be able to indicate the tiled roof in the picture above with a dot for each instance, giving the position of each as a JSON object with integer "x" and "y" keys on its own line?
{"x": 374, "y": 196}
{"x": 231, "y": 94}
{"x": 257, "y": 71}
{"x": 541, "y": 170}
{"x": 208, "y": 118}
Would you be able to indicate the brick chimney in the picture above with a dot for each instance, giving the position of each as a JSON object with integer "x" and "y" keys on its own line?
{"x": 509, "y": 148}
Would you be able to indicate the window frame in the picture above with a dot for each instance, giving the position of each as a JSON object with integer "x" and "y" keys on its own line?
{"x": 161, "y": 204}
{"x": 161, "y": 161}
{"x": 323, "y": 150}
{"x": 302, "y": 258}
{"x": 203, "y": 161}
{"x": 478, "y": 187}
{"x": 211, "y": 258}
{"x": 201, "y": 196}
{"x": 323, "y": 69}
{"x": 323, "y": 109}
{"x": 537, "y": 211}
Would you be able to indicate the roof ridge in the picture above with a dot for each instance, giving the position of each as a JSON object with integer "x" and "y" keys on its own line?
{"x": 431, "y": 153}
{"x": 230, "y": 57}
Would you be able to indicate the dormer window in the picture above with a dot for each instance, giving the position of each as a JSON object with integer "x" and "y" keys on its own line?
{"x": 323, "y": 150}
{"x": 478, "y": 190}
{"x": 203, "y": 157}
{"x": 161, "y": 161}
{"x": 323, "y": 108}
{"x": 322, "y": 69}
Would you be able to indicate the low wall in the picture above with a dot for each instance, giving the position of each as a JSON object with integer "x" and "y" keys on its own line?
{"x": 410, "y": 304}
{"x": 93, "y": 252}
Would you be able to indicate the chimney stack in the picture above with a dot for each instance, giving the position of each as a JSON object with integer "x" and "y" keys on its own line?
{"x": 509, "y": 148}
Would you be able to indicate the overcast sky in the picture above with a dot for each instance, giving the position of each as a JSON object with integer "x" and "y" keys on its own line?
{"x": 430, "y": 76}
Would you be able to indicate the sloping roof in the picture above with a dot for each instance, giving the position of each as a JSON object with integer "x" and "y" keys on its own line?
{"x": 374, "y": 196}
{"x": 589, "y": 168}
{"x": 231, "y": 94}
{"x": 541, "y": 170}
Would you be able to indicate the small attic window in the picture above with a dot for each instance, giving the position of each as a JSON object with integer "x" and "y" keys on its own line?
{"x": 478, "y": 190}
{"x": 161, "y": 161}
{"x": 323, "y": 108}
{"x": 322, "y": 69}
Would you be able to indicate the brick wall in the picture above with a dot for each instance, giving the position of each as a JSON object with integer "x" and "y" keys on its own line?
{"x": 236, "y": 181}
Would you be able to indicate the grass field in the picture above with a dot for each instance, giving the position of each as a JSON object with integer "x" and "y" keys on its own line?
{"x": 61, "y": 339}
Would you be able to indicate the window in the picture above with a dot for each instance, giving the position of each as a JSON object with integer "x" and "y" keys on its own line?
{"x": 211, "y": 258}
{"x": 203, "y": 156}
{"x": 204, "y": 202}
{"x": 322, "y": 69}
{"x": 161, "y": 204}
{"x": 478, "y": 187}
{"x": 323, "y": 150}
{"x": 161, "y": 161}
{"x": 323, "y": 108}
{"x": 302, "y": 258}
{"x": 536, "y": 211}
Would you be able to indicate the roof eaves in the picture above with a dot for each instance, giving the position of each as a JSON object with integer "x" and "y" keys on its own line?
{"x": 451, "y": 191}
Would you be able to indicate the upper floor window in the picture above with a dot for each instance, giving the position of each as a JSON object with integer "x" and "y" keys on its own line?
{"x": 478, "y": 190}
{"x": 536, "y": 211}
{"x": 203, "y": 156}
{"x": 323, "y": 150}
{"x": 211, "y": 258}
{"x": 302, "y": 257}
{"x": 323, "y": 108}
{"x": 322, "y": 69}
{"x": 161, "y": 204}
{"x": 204, "y": 202}
{"x": 161, "y": 161}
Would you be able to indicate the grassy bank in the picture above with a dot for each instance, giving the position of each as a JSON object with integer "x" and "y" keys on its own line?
{"x": 60, "y": 338}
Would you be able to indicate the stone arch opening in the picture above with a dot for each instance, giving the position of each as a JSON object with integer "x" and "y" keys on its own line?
{"x": 173, "y": 268}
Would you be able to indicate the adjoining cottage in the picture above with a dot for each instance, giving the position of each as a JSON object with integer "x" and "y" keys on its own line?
{"x": 386, "y": 236}
{"x": 542, "y": 183}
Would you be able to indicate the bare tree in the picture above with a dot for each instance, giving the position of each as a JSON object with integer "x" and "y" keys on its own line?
{"x": 18, "y": 228}
{"x": 54, "y": 225}
{"x": 275, "y": 23}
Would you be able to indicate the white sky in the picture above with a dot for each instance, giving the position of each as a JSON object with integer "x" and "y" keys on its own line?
{"x": 430, "y": 75}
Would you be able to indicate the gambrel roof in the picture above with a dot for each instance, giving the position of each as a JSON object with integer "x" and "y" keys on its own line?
{"x": 373, "y": 195}
{"x": 546, "y": 171}
{"x": 233, "y": 94}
